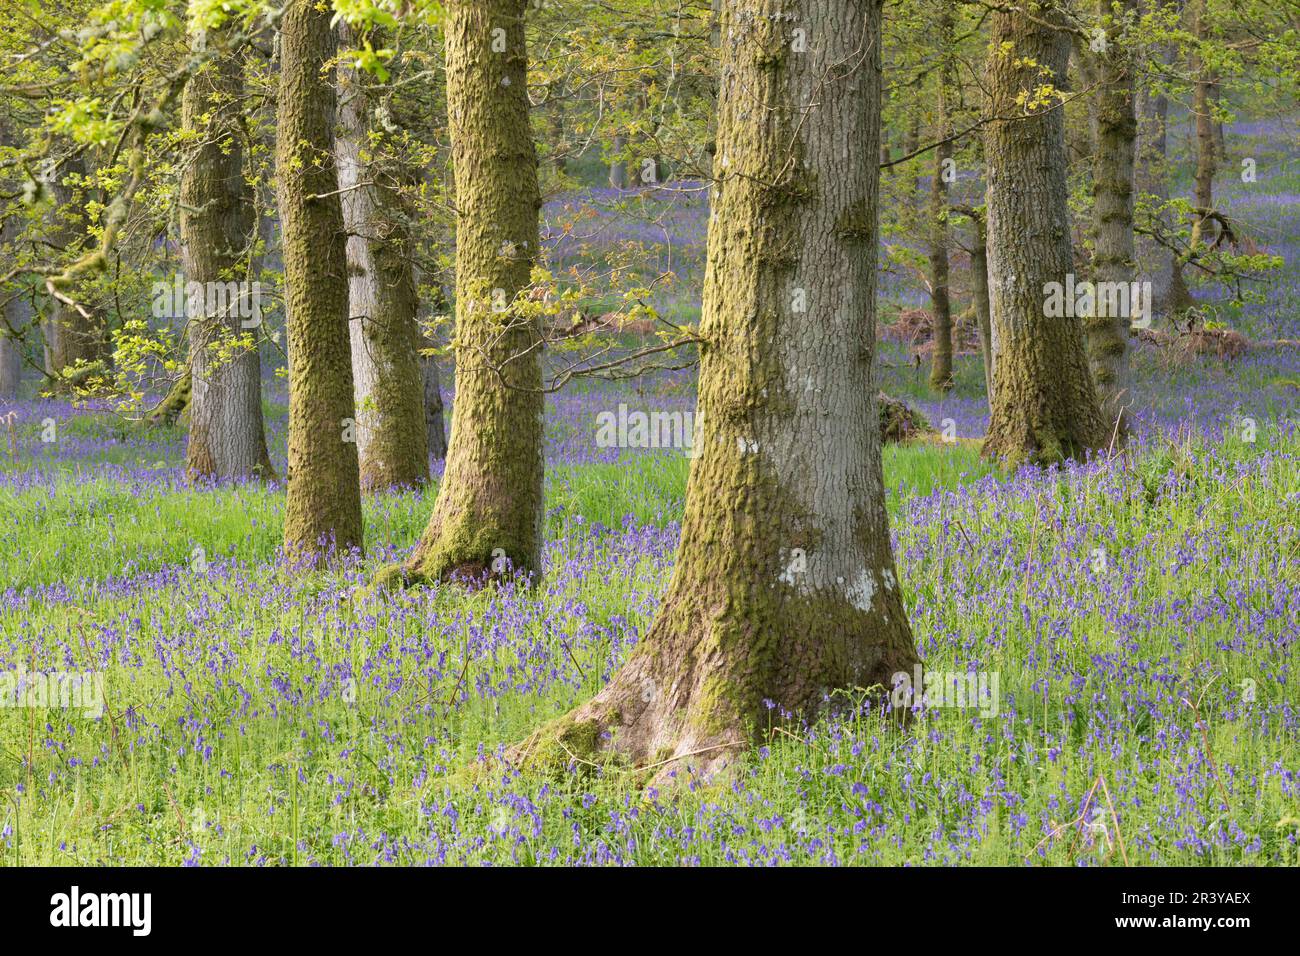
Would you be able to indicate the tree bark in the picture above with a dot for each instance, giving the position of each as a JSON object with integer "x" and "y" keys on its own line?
{"x": 434, "y": 428}
{"x": 71, "y": 338}
{"x": 941, "y": 357}
{"x": 1115, "y": 130}
{"x": 226, "y": 434}
{"x": 784, "y": 589}
{"x": 979, "y": 281}
{"x": 488, "y": 514}
{"x": 15, "y": 318}
{"x": 1153, "y": 179}
{"x": 1203, "y": 111}
{"x": 618, "y": 165}
{"x": 392, "y": 443}
{"x": 323, "y": 507}
{"x": 1044, "y": 406}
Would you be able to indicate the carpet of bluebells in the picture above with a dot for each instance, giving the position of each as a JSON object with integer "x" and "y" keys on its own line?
{"x": 1141, "y": 614}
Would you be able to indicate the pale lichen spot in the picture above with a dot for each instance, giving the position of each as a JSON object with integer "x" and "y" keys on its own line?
{"x": 888, "y": 577}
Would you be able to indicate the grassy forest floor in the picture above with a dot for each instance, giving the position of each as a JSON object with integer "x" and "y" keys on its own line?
{"x": 259, "y": 714}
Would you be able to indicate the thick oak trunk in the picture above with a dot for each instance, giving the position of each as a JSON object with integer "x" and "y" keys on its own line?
{"x": 1044, "y": 405}
{"x": 785, "y": 589}
{"x": 226, "y": 435}
{"x": 488, "y": 515}
{"x": 324, "y": 496}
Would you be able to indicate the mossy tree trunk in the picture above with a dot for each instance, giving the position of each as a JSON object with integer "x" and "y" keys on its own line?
{"x": 226, "y": 434}
{"x": 1113, "y": 260}
{"x": 940, "y": 305}
{"x": 392, "y": 442}
{"x": 1044, "y": 404}
{"x": 488, "y": 515}
{"x": 784, "y": 589}
{"x": 323, "y": 508}
{"x": 72, "y": 336}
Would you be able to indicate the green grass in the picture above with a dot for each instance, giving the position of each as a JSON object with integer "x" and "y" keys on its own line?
{"x": 245, "y": 660}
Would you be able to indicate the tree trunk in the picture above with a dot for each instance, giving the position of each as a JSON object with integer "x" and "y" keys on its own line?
{"x": 979, "y": 282}
{"x": 323, "y": 507}
{"x": 14, "y": 319}
{"x": 71, "y": 338}
{"x": 618, "y": 166}
{"x": 488, "y": 515}
{"x": 784, "y": 589}
{"x": 11, "y": 359}
{"x": 434, "y": 428}
{"x": 1153, "y": 179}
{"x": 1044, "y": 405}
{"x": 1115, "y": 129}
{"x": 941, "y": 357}
{"x": 392, "y": 443}
{"x": 1203, "y": 111}
{"x": 226, "y": 435}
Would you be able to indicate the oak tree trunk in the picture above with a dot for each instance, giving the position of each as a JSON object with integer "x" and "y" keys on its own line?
{"x": 226, "y": 434}
{"x": 324, "y": 496}
{"x": 1044, "y": 404}
{"x": 392, "y": 443}
{"x": 1115, "y": 129}
{"x": 14, "y": 319}
{"x": 72, "y": 337}
{"x": 941, "y": 357}
{"x": 1203, "y": 111}
{"x": 784, "y": 590}
{"x": 488, "y": 514}
{"x": 434, "y": 428}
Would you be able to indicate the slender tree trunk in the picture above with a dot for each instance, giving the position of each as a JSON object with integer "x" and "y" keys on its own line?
{"x": 1115, "y": 129}
{"x": 226, "y": 435}
{"x": 1153, "y": 179}
{"x": 784, "y": 588}
{"x": 71, "y": 338}
{"x": 392, "y": 442}
{"x": 618, "y": 166}
{"x": 324, "y": 497}
{"x": 979, "y": 280}
{"x": 1203, "y": 111}
{"x": 488, "y": 515}
{"x": 941, "y": 357}
{"x": 434, "y": 428}
{"x": 14, "y": 319}
{"x": 1044, "y": 405}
